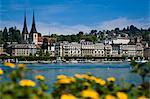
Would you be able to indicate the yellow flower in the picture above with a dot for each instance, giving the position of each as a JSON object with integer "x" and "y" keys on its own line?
{"x": 27, "y": 83}
{"x": 9, "y": 64}
{"x": 122, "y": 95}
{"x": 78, "y": 76}
{"x": 110, "y": 97}
{"x": 89, "y": 93}
{"x": 40, "y": 77}
{"x": 111, "y": 79}
{"x": 67, "y": 96}
{"x": 21, "y": 65}
{"x": 142, "y": 97}
{"x": 85, "y": 76}
{"x": 72, "y": 79}
{"x": 64, "y": 81}
{"x": 100, "y": 81}
{"x": 1, "y": 72}
{"x": 92, "y": 78}
{"x": 61, "y": 76}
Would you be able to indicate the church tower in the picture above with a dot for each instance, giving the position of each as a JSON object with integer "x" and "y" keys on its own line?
{"x": 33, "y": 32}
{"x": 25, "y": 34}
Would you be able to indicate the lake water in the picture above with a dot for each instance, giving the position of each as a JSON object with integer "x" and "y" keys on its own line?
{"x": 50, "y": 71}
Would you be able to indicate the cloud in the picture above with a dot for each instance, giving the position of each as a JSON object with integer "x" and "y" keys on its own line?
{"x": 58, "y": 28}
{"x": 123, "y": 22}
{"x": 62, "y": 29}
{"x": 105, "y": 25}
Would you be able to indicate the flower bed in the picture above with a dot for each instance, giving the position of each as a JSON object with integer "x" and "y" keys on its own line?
{"x": 79, "y": 86}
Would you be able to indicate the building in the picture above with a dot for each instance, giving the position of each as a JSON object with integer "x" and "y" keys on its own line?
{"x": 87, "y": 49}
{"x": 59, "y": 49}
{"x": 33, "y": 33}
{"x": 74, "y": 49}
{"x": 108, "y": 50}
{"x": 147, "y": 53}
{"x": 120, "y": 41}
{"x": 134, "y": 50}
{"x": 25, "y": 34}
{"x": 116, "y": 50}
{"x": 31, "y": 37}
{"x": 22, "y": 49}
{"x": 1, "y": 48}
{"x": 99, "y": 50}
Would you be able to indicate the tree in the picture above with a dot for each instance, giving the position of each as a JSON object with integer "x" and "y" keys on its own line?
{"x": 142, "y": 69}
{"x": 45, "y": 43}
{"x": 5, "y": 35}
{"x": 1, "y": 37}
{"x": 93, "y": 32}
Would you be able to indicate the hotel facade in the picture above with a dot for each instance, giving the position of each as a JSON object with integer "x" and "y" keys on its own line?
{"x": 74, "y": 49}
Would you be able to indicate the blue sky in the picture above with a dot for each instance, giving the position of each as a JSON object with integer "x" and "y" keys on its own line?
{"x": 72, "y": 16}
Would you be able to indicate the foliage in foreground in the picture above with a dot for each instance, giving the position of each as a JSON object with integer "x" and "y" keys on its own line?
{"x": 79, "y": 86}
{"x": 142, "y": 69}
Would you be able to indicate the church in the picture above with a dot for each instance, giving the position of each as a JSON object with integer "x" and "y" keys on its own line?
{"x": 32, "y": 36}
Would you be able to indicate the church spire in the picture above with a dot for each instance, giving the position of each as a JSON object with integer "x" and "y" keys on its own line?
{"x": 33, "y": 28}
{"x": 25, "y": 29}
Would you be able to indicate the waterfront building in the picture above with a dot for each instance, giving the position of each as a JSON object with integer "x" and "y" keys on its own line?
{"x": 116, "y": 50}
{"x": 59, "y": 49}
{"x": 87, "y": 49}
{"x": 74, "y": 49}
{"x": 1, "y": 48}
{"x": 51, "y": 50}
{"x": 108, "y": 50}
{"x": 67, "y": 49}
{"x": 132, "y": 50}
{"x": 22, "y": 49}
{"x": 99, "y": 50}
{"x": 147, "y": 53}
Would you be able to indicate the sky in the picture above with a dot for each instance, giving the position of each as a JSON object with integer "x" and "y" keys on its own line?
{"x": 72, "y": 16}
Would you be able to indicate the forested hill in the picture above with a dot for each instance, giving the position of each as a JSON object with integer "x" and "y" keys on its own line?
{"x": 96, "y": 35}
{"x": 13, "y": 34}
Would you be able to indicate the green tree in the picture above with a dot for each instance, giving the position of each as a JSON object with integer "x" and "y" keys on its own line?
{"x": 5, "y": 35}
{"x": 142, "y": 69}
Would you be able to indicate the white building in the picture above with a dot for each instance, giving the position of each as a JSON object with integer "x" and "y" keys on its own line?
{"x": 108, "y": 50}
{"x": 99, "y": 50}
{"x": 22, "y": 49}
{"x": 132, "y": 50}
{"x": 75, "y": 49}
{"x": 120, "y": 41}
